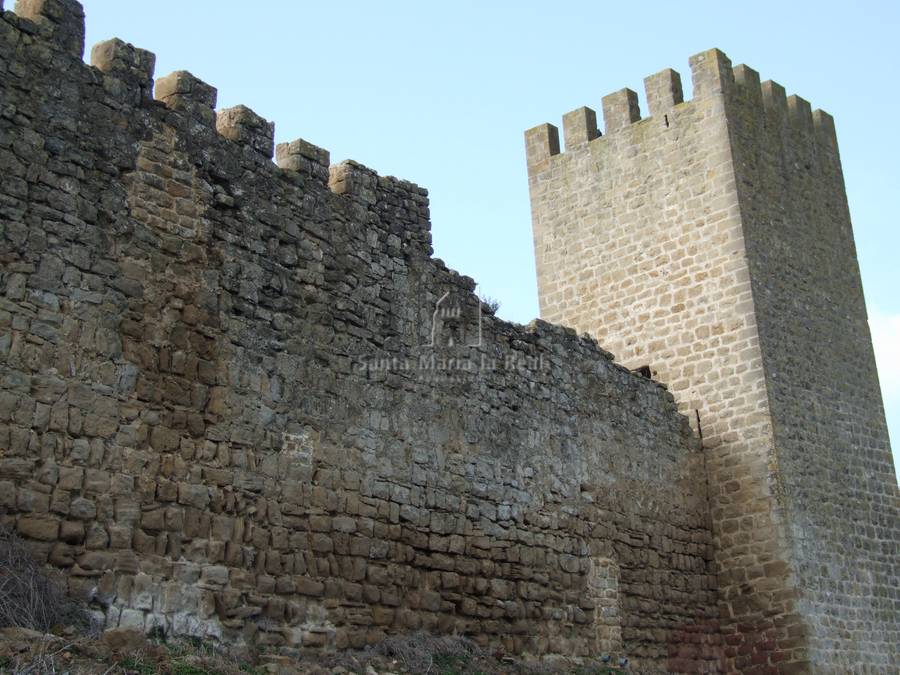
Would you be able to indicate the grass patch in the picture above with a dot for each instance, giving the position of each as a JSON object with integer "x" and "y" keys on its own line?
{"x": 136, "y": 665}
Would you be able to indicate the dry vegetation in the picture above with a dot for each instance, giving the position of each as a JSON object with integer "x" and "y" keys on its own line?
{"x": 30, "y": 597}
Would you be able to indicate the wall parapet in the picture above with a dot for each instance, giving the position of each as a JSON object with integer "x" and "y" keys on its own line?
{"x": 711, "y": 75}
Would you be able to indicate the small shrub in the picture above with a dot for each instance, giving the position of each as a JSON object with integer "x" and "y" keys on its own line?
{"x": 419, "y": 652}
{"x": 490, "y": 305}
{"x": 29, "y": 596}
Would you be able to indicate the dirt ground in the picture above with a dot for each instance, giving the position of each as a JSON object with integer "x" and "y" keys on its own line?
{"x": 127, "y": 652}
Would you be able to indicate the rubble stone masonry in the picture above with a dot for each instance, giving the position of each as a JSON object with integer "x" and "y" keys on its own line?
{"x": 712, "y": 243}
{"x": 242, "y": 400}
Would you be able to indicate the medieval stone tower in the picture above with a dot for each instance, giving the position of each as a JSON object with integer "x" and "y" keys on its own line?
{"x": 712, "y": 242}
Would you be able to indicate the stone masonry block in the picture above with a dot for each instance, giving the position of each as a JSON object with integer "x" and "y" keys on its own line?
{"x": 579, "y": 127}
{"x": 774, "y": 98}
{"x": 663, "y": 91}
{"x": 40, "y": 528}
{"x": 355, "y": 180}
{"x": 183, "y": 85}
{"x": 711, "y": 73}
{"x": 188, "y": 94}
{"x": 620, "y": 109}
{"x": 242, "y": 125}
{"x": 541, "y": 143}
{"x": 64, "y": 20}
{"x": 800, "y": 113}
{"x": 823, "y": 123}
{"x": 745, "y": 77}
{"x": 305, "y": 158}
{"x": 126, "y": 62}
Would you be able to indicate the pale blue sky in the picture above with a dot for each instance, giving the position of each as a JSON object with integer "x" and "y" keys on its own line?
{"x": 440, "y": 95}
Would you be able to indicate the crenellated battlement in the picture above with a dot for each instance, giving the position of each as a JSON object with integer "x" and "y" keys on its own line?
{"x": 711, "y": 75}
{"x": 129, "y": 76}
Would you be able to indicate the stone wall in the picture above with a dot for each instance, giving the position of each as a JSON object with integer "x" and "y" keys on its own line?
{"x": 682, "y": 242}
{"x": 243, "y": 400}
{"x": 836, "y": 472}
